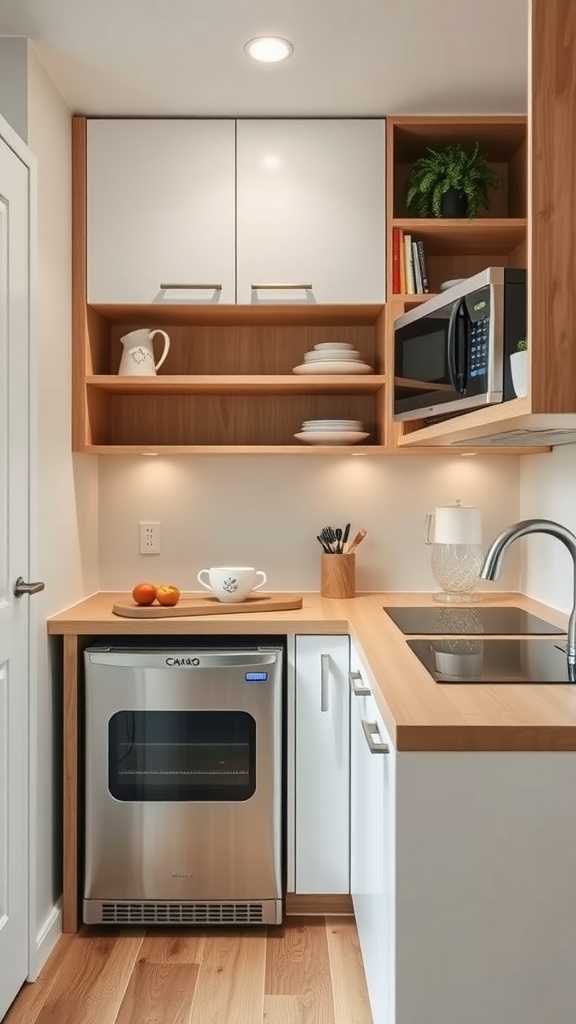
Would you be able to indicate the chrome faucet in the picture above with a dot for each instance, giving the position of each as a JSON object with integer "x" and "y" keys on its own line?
{"x": 493, "y": 564}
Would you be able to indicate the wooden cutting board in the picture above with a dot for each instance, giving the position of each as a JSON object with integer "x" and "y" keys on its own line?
{"x": 200, "y": 605}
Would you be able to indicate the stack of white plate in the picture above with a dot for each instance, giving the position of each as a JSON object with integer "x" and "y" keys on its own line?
{"x": 332, "y": 432}
{"x": 333, "y": 357}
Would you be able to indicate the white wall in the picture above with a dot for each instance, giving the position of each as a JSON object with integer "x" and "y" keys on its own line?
{"x": 548, "y": 491}
{"x": 14, "y": 83}
{"x": 65, "y": 525}
{"x": 266, "y": 511}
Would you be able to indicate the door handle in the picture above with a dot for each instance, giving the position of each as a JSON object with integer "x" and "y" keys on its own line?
{"x": 21, "y": 588}
{"x": 259, "y": 287}
{"x": 324, "y": 681}
{"x": 358, "y": 691}
{"x": 202, "y": 287}
{"x": 376, "y": 746}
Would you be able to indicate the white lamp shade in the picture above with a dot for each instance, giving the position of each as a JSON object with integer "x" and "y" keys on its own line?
{"x": 457, "y": 524}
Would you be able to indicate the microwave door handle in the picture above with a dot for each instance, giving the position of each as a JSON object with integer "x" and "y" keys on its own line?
{"x": 457, "y": 378}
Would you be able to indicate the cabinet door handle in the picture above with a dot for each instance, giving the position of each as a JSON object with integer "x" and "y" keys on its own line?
{"x": 306, "y": 287}
{"x": 375, "y": 746}
{"x": 324, "y": 681}
{"x": 205, "y": 287}
{"x": 358, "y": 691}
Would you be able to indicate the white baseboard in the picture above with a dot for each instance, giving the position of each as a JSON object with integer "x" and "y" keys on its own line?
{"x": 46, "y": 939}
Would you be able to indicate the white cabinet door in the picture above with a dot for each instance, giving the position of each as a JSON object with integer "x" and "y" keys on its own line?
{"x": 372, "y": 814}
{"x": 160, "y": 210}
{"x": 322, "y": 763}
{"x": 311, "y": 210}
{"x": 17, "y": 183}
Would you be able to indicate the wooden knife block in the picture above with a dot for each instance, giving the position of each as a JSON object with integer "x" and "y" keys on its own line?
{"x": 338, "y": 575}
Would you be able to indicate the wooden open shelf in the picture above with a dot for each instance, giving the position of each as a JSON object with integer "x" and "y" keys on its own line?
{"x": 228, "y": 385}
{"x": 460, "y": 248}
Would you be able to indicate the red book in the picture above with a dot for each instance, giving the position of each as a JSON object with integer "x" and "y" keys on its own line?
{"x": 397, "y": 245}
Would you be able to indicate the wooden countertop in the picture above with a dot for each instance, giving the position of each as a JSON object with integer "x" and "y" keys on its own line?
{"x": 418, "y": 713}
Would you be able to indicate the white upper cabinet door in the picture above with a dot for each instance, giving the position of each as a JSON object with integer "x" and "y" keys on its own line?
{"x": 310, "y": 211}
{"x": 161, "y": 211}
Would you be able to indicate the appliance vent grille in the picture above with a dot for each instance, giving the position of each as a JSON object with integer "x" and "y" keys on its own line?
{"x": 547, "y": 436}
{"x": 181, "y": 913}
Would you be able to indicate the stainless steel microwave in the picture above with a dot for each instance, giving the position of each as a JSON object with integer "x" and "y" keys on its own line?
{"x": 451, "y": 353}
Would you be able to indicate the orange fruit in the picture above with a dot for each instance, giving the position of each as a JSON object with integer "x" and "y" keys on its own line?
{"x": 144, "y": 593}
{"x": 167, "y": 594}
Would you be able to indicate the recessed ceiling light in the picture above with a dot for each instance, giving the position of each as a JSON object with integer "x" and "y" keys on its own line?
{"x": 269, "y": 49}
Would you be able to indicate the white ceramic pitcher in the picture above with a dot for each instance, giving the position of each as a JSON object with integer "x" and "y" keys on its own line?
{"x": 138, "y": 355}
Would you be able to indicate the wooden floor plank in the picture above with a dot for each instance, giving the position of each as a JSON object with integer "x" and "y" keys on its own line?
{"x": 159, "y": 994}
{"x": 351, "y": 1005}
{"x": 297, "y": 964}
{"x": 92, "y": 982}
{"x": 32, "y": 996}
{"x": 286, "y": 1010}
{"x": 168, "y": 947}
{"x": 306, "y": 971}
{"x": 230, "y": 987}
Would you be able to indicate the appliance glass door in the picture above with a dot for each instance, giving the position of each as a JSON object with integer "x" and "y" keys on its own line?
{"x": 182, "y": 755}
{"x": 443, "y": 357}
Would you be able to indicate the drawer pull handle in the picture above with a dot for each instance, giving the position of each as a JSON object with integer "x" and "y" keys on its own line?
{"x": 204, "y": 287}
{"x": 306, "y": 287}
{"x": 324, "y": 681}
{"x": 358, "y": 691}
{"x": 375, "y": 746}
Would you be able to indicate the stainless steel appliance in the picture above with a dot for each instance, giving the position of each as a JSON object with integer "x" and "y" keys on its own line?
{"x": 452, "y": 353}
{"x": 183, "y": 785}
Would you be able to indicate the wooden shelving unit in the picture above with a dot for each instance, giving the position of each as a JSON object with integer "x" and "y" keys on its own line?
{"x": 460, "y": 248}
{"x": 457, "y": 248}
{"x": 228, "y": 385}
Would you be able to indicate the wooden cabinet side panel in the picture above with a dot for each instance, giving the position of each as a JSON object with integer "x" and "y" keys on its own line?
{"x": 80, "y": 363}
{"x": 552, "y": 184}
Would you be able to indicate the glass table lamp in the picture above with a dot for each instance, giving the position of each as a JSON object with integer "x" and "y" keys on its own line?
{"x": 455, "y": 535}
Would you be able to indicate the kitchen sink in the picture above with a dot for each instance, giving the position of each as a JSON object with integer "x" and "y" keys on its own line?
{"x": 470, "y": 621}
{"x": 493, "y": 660}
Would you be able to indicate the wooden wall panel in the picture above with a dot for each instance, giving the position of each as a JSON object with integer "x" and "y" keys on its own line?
{"x": 552, "y": 188}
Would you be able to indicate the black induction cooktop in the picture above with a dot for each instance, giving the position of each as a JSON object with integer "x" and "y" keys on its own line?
{"x": 471, "y": 621}
{"x": 526, "y": 660}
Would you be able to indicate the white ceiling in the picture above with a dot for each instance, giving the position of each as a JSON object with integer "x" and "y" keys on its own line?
{"x": 351, "y": 57}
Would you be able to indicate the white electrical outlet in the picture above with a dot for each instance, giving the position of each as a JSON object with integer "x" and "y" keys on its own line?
{"x": 149, "y": 538}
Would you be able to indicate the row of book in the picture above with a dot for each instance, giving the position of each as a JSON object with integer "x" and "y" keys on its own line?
{"x": 409, "y": 269}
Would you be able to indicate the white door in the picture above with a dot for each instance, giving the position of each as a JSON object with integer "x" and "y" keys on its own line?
{"x": 14, "y": 530}
{"x": 160, "y": 209}
{"x": 322, "y": 760}
{"x": 372, "y": 810}
{"x": 310, "y": 211}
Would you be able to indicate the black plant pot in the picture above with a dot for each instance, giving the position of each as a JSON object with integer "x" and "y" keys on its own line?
{"x": 453, "y": 204}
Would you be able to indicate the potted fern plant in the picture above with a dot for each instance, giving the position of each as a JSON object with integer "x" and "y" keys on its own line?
{"x": 451, "y": 182}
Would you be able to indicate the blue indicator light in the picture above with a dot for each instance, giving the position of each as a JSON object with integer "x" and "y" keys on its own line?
{"x": 255, "y": 677}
